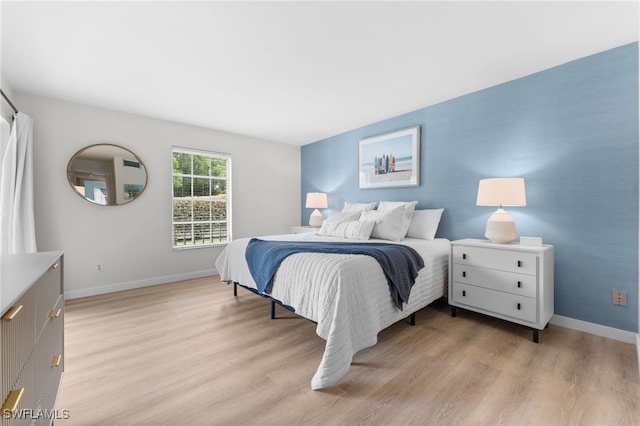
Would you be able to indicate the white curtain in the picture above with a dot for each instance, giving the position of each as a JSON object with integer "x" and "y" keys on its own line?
{"x": 17, "y": 224}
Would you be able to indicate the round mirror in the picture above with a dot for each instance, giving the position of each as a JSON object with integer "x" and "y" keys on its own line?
{"x": 107, "y": 174}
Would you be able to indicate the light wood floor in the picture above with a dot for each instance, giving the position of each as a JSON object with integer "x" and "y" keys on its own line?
{"x": 189, "y": 353}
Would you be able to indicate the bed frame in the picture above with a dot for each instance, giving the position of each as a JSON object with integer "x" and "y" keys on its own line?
{"x": 274, "y": 302}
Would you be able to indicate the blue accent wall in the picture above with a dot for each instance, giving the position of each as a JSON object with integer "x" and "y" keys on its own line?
{"x": 571, "y": 131}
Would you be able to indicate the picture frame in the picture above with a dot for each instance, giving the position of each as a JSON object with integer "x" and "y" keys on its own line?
{"x": 390, "y": 160}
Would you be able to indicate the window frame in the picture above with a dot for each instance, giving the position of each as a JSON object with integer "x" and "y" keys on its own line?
{"x": 192, "y": 220}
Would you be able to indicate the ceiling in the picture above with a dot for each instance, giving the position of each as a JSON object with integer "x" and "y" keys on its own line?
{"x": 292, "y": 72}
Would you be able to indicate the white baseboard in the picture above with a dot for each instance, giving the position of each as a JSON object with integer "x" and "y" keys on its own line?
{"x": 588, "y": 327}
{"x": 597, "y": 329}
{"x": 94, "y": 291}
{"x": 638, "y": 350}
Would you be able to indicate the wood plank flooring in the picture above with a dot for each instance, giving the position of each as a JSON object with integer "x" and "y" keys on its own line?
{"x": 189, "y": 353}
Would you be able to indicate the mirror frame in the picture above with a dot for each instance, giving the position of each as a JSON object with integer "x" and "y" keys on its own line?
{"x": 88, "y": 173}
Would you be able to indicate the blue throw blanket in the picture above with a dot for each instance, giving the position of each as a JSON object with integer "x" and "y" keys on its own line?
{"x": 400, "y": 263}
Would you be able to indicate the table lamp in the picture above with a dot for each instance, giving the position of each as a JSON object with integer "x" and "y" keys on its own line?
{"x": 316, "y": 200}
{"x": 501, "y": 192}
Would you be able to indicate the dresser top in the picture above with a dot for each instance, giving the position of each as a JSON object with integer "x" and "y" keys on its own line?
{"x": 18, "y": 272}
{"x": 508, "y": 246}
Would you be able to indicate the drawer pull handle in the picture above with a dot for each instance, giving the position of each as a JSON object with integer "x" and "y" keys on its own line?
{"x": 518, "y": 306}
{"x": 464, "y": 256}
{"x": 464, "y": 293}
{"x": 55, "y": 313}
{"x": 55, "y": 265}
{"x": 11, "y": 313}
{"x": 519, "y": 263}
{"x": 56, "y": 360}
{"x": 464, "y": 274}
{"x": 12, "y": 401}
{"x": 519, "y": 284}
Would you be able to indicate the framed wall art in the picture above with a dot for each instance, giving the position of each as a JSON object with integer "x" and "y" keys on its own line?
{"x": 390, "y": 160}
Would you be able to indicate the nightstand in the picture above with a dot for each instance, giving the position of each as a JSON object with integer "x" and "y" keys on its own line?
{"x": 304, "y": 229}
{"x": 513, "y": 282}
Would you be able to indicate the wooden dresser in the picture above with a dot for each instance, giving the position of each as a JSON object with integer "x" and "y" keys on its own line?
{"x": 31, "y": 336}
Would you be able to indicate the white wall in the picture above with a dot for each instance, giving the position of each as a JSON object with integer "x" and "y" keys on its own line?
{"x": 133, "y": 241}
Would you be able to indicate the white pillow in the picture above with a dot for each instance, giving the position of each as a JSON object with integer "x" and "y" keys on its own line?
{"x": 353, "y": 230}
{"x": 424, "y": 224}
{"x": 342, "y": 217}
{"x": 409, "y": 207}
{"x": 357, "y": 207}
{"x": 390, "y": 224}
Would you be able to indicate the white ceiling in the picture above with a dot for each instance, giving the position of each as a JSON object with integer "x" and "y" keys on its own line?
{"x": 292, "y": 72}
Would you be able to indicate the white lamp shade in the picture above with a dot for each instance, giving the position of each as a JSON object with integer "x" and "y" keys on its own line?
{"x": 501, "y": 192}
{"x": 316, "y": 200}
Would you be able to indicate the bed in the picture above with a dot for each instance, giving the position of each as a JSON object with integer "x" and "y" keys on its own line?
{"x": 347, "y": 295}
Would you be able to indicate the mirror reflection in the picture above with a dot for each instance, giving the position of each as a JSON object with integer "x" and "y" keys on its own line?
{"x": 107, "y": 174}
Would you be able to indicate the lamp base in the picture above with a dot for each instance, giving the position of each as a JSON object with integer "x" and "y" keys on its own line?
{"x": 500, "y": 228}
{"x": 315, "y": 220}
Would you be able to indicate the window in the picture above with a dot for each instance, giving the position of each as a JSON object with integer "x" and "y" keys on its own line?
{"x": 201, "y": 198}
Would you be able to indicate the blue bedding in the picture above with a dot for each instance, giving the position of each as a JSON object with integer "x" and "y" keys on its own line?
{"x": 400, "y": 263}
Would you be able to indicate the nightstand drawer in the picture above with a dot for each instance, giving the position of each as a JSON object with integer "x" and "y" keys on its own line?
{"x": 496, "y": 302}
{"x": 504, "y": 260}
{"x": 520, "y": 284}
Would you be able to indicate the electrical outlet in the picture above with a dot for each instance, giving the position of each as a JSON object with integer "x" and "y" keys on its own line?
{"x": 619, "y": 298}
{"x": 99, "y": 267}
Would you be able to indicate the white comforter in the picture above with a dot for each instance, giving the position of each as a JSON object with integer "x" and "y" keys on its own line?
{"x": 347, "y": 295}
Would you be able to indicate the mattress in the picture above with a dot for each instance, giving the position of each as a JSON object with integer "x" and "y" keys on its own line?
{"x": 346, "y": 295}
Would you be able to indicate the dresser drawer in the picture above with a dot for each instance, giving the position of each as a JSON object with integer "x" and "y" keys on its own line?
{"x": 27, "y": 401}
{"x": 504, "y": 260}
{"x": 32, "y": 332}
{"x": 49, "y": 350}
{"x": 48, "y": 291}
{"x": 496, "y": 302}
{"x": 18, "y": 337}
{"x": 520, "y": 284}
